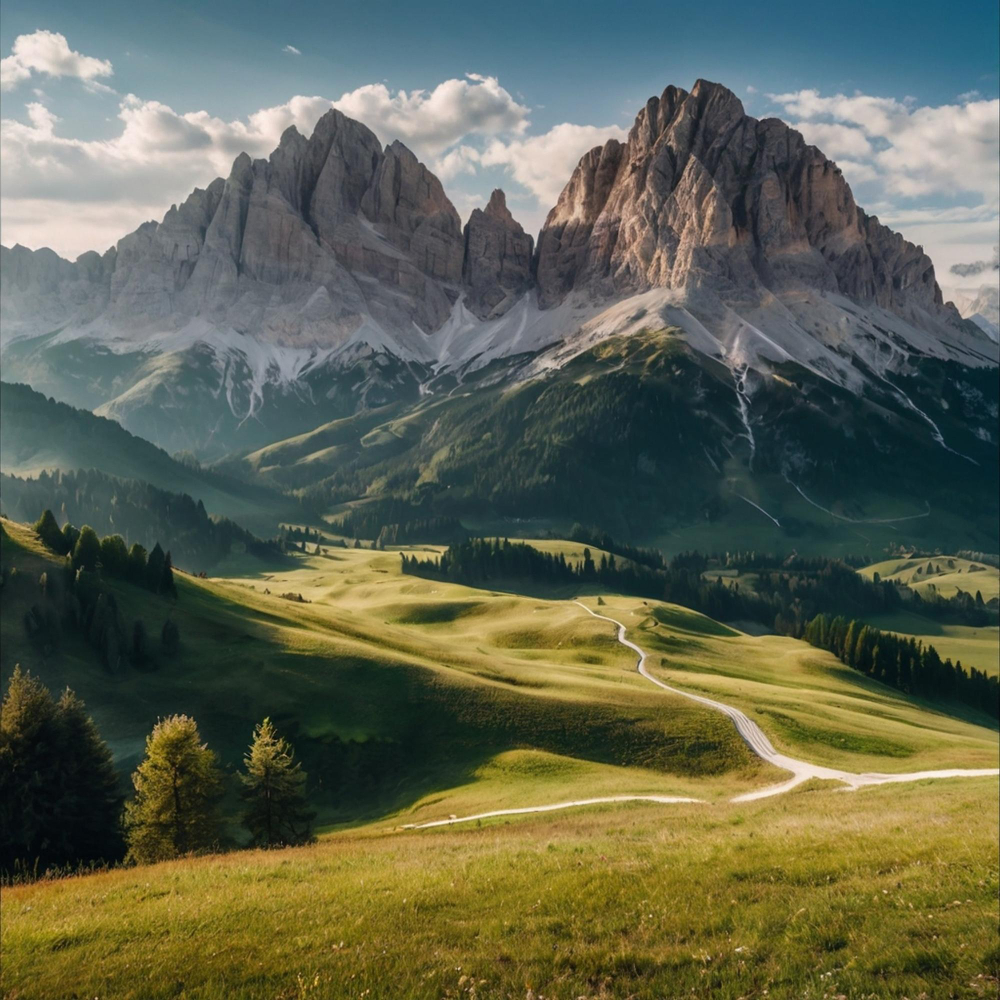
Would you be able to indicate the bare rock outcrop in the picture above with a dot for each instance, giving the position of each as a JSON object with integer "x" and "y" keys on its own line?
{"x": 497, "y": 268}
{"x": 703, "y": 196}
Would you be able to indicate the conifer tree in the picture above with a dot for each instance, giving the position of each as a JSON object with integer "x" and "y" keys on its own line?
{"x": 87, "y": 551}
{"x": 178, "y": 788}
{"x": 49, "y": 534}
{"x": 167, "y": 585}
{"x": 274, "y": 791}
{"x": 154, "y": 568}
{"x": 70, "y": 535}
{"x": 114, "y": 555}
{"x": 59, "y": 797}
{"x": 90, "y": 809}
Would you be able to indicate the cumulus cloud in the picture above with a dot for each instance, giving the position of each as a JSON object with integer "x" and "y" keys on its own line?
{"x": 543, "y": 163}
{"x": 952, "y": 149}
{"x": 431, "y": 121}
{"x": 49, "y": 53}
{"x": 160, "y": 154}
{"x": 460, "y": 127}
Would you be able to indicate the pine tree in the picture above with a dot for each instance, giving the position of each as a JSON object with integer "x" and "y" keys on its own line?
{"x": 178, "y": 787}
{"x": 154, "y": 568}
{"x": 114, "y": 555}
{"x": 87, "y": 551}
{"x": 167, "y": 585}
{"x": 28, "y": 766}
{"x": 49, "y": 534}
{"x": 274, "y": 791}
{"x": 136, "y": 564}
{"x": 70, "y": 535}
{"x": 90, "y": 809}
{"x": 59, "y": 797}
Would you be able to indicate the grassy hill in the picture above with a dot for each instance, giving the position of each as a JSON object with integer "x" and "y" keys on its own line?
{"x": 944, "y": 576}
{"x": 37, "y": 434}
{"x": 390, "y": 687}
{"x": 394, "y": 688}
{"x": 412, "y": 700}
{"x": 889, "y": 891}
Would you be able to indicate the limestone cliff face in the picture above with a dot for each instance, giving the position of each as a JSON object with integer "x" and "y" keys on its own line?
{"x": 328, "y": 234}
{"x": 497, "y": 266}
{"x": 701, "y": 195}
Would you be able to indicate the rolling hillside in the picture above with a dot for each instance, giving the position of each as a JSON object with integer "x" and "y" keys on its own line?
{"x": 646, "y": 437}
{"x": 39, "y": 434}
{"x": 411, "y": 701}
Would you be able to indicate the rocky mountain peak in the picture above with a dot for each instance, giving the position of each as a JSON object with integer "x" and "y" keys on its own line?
{"x": 496, "y": 208}
{"x": 702, "y": 196}
{"x": 497, "y": 259}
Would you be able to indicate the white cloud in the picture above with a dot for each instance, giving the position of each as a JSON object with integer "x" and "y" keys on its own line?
{"x": 751, "y": 89}
{"x": 292, "y": 50}
{"x": 48, "y": 52}
{"x": 932, "y": 173}
{"x": 430, "y": 122}
{"x": 543, "y": 163}
{"x": 836, "y": 140}
{"x": 159, "y": 155}
{"x": 949, "y": 150}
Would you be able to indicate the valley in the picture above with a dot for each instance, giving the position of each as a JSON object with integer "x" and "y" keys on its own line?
{"x": 458, "y": 701}
{"x": 397, "y": 603}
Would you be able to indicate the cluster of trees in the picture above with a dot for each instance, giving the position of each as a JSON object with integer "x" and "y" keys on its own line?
{"x": 783, "y": 600}
{"x": 990, "y": 558}
{"x": 133, "y": 509}
{"x": 76, "y": 596}
{"x": 110, "y": 555}
{"x": 751, "y": 559}
{"x": 421, "y": 529}
{"x": 61, "y": 804}
{"x": 397, "y": 522}
{"x": 602, "y": 540}
{"x": 903, "y": 663}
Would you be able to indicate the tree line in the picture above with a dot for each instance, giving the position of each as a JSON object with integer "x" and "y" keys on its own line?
{"x": 783, "y": 600}
{"x": 133, "y": 509}
{"x": 903, "y": 663}
{"x": 787, "y": 601}
{"x": 61, "y": 805}
{"x": 76, "y": 595}
{"x": 653, "y": 558}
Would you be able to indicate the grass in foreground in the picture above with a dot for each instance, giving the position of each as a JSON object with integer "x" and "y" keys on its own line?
{"x": 886, "y": 892}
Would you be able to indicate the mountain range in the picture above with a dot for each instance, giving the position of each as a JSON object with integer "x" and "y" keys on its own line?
{"x": 708, "y": 291}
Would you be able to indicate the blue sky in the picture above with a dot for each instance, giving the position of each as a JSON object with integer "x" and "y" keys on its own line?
{"x": 903, "y": 95}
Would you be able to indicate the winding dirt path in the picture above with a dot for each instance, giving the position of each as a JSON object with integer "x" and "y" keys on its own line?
{"x": 754, "y": 738}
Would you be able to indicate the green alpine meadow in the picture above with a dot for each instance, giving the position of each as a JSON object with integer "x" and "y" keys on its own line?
{"x": 490, "y": 513}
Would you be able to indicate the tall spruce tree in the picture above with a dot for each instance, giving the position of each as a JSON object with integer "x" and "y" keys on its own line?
{"x": 178, "y": 789}
{"x": 87, "y": 551}
{"x": 274, "y": 792}
{"x": 59, "y": 797}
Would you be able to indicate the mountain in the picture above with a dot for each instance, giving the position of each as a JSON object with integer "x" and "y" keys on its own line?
{"x": 311, "y": 294}
{"x": 39, "y": 434}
